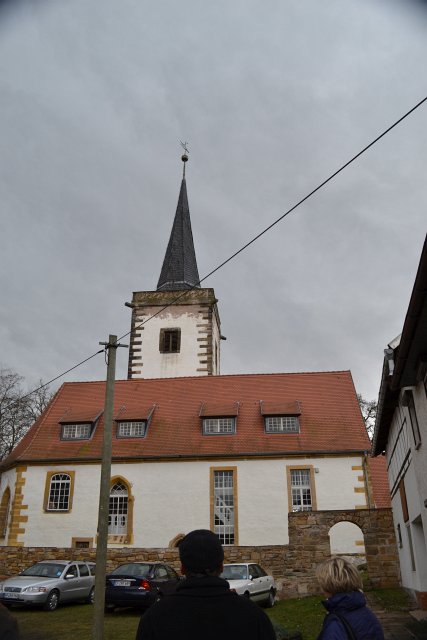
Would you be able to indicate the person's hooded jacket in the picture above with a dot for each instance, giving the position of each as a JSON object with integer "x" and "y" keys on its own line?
{"x": 352, "y": 607}
{"x": 205, "y": 608}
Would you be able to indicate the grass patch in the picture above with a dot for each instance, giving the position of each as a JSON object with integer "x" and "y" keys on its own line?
{"x": 391, "y": 599}
{"x": 300, "y": 614}
{"x": 74, "y": 621}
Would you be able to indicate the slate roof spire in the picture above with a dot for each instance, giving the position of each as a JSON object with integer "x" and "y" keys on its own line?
{"x": 179, "y": 270}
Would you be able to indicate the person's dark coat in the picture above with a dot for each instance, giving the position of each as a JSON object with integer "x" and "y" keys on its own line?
{"x": 352, "y": 607}
{"x": 204, "y": 608}
{"x": 8, "y": 625}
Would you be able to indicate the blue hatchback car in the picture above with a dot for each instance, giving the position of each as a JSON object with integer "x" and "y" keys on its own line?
{"x": 139, "y": 584}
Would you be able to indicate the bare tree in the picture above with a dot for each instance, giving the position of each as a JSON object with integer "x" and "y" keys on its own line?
{"x": 369, "y": 413}
{"x": 18, "y": 409}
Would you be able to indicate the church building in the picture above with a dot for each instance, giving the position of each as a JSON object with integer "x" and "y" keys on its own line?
{"x": 191, "y": 448}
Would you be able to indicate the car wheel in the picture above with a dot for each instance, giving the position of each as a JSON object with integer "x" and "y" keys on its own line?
{"x": 52, "y": 601}
{"x": 270, "y": 600}
{"x": 91, "y": 597}
{"x": 246, "y": 595}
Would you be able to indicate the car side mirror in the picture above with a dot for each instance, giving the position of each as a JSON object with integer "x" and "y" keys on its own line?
{"x": 251, "y": 577}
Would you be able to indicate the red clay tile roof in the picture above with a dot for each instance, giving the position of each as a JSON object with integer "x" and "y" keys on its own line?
{"x": 330, "y": 417}
{"x": 379, "y": 481}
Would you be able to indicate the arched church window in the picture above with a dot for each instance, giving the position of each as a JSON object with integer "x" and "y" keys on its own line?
{"x": 4, "y": 512}
{"x": 118, "y": 509}
{"x": 59, "y": 492}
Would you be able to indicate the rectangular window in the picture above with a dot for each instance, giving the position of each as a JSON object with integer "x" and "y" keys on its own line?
{"x": 403, "y": 500}
{"x": 76, "y": 431}
{"x": 301, "y": 490}
{"x": 281, "y": 424}
{"x": 408, "y": 401}
{"x": 132, "y": 429}
{"x": 170, "y": 340}
{"x": 224, "y": 505}
{"x": 213, "y": 426}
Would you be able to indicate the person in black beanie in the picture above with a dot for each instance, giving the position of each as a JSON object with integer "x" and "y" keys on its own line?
{"x": 203, "y": 607}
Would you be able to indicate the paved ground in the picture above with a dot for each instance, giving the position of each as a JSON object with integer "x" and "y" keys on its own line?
{"x": 401, "y": 625}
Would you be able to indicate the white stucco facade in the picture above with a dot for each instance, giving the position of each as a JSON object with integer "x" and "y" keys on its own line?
{"x": 171, "y": 498}
{"x": 406, "y": 461}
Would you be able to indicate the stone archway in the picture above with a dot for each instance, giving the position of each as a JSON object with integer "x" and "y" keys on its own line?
{"x": 309, "y": 545}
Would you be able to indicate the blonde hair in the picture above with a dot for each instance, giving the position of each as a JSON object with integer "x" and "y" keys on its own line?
{"x": 337, "y": 575}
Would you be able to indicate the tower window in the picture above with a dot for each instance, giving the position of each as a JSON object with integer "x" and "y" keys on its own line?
{"x": 170, "y": 340}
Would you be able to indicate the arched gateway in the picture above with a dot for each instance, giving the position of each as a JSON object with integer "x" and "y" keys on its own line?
{"x": 309, "y": 545}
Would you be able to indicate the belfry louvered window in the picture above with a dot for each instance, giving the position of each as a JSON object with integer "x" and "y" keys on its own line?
{"x": 118, "y": 509}
{"x": 224, "y": 506}
{"x": 170, "y": 340}
{"x": 59, "y": 492}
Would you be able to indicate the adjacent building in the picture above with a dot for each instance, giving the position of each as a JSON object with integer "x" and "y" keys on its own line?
{"x": 401, "y": 435}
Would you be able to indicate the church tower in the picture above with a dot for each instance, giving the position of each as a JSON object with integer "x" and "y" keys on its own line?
{"x": 175, "y": 330}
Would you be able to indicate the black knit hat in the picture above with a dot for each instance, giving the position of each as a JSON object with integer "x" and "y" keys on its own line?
{"x": 201, "y": 551}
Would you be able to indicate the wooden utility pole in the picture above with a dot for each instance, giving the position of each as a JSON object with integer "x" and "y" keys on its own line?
{"x": 104, "y": 492}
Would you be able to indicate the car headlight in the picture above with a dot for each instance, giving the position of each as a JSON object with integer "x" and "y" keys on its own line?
{"x": 35, "y": 589}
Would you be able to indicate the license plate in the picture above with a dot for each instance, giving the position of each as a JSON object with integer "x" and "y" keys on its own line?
{"x": 122, "y": 583}
{"x": 11, "y": 595}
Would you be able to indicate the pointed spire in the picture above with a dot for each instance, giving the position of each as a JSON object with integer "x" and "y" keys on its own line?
{"x": 179, "y": 270}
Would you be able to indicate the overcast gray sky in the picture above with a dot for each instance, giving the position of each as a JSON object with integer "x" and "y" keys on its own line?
{"x": 273, "y": 96}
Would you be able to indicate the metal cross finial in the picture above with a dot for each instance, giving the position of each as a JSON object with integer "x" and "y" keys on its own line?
{"x": 184, "y": 145}
{"x": 184, "y": 156}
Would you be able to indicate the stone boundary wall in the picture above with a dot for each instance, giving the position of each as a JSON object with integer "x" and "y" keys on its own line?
{"x": 293, "y": 566}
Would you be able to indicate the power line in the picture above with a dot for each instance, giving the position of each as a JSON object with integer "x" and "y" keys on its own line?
{"x": 248, "y": 244}
{"x": 295, "y": 206}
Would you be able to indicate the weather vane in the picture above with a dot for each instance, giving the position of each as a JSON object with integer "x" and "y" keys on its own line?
{"x": 184, "y": 156}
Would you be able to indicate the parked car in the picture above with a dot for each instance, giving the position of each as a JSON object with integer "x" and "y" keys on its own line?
{"x": 250, "y": 580}
{"x": 49, "y": 582}
{"x": 139, "y": 584}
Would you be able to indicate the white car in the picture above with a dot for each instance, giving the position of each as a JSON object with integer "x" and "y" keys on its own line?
{"x": 49, "y": 582}
{"x": 250, "y": 580}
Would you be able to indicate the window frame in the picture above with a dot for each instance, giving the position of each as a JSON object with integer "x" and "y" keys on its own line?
{"x": 127, "y": 537}
{"x": 206, "y": 419}
{"x": 163, "y": 340}
{"x": 213, "y": 470}
{"x": 46, "y": 500}
{"x": 64, "y": 425}
{"x": 301, "y": 467}
{"x": 409, "y": 402}
{"x": 282, "y": 417}
{"x": 131, "y": 422}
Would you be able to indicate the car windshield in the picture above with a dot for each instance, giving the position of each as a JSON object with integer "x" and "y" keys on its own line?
{"x": 44, "y": 570}
{"x": 137, "y": 570}
{"x": 235, "y": 572}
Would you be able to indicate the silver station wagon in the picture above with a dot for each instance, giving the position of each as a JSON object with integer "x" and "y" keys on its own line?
{"x": 250, "y": 580}
{"x": 50, "y": 582}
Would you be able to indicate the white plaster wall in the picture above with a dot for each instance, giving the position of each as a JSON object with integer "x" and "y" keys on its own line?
{"x": 336, "y": 483}
{"x": 170, "y": 365}
{"x": 55, "y": 528}
{"x": 420, "y": 455}
{"x": 174, "y": 497}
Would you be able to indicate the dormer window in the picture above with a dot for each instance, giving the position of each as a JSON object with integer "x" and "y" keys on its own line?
{"x": 170, "y": 340}
{"x": 218, "y": 426}
{"x": 77, "y": 431}
{"x": 131, "y": 429}
{"x": 281, "y": 424}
